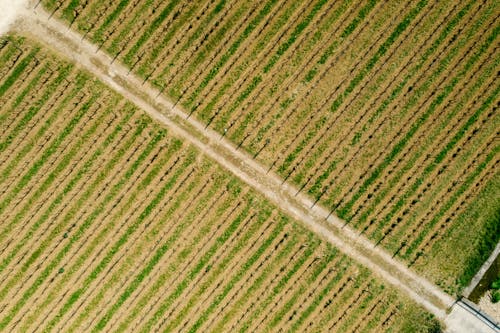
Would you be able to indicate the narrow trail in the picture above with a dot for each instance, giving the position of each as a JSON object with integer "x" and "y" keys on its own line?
{"x": 59, "y": 38}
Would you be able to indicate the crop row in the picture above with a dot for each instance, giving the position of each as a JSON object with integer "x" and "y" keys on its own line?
{"x": 113, "y": 223}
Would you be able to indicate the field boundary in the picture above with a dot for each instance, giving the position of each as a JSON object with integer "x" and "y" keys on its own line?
{"x": 58, "y": 37}
{"x": 484, "y": 268}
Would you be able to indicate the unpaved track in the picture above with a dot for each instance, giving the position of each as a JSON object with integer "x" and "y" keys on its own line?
{"x": 69, "y": 43}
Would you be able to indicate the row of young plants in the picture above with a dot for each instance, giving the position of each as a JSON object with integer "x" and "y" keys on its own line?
{"x": 60, "y": 192}
{"x": 118, "y": 179}
{"x": 292, "y": 105}
{"x": 435, "y": 166}
{"x": 62, "y": 164}
{"x": 126, "y": 227}
{"x": 66, "y": 158}
{"x": 406, "y": 138}
{"x": 414, "y": 98}
{"x": 317, "y": 145}
{"x": 383, "y": 108}
{"x": 226, "y": 95}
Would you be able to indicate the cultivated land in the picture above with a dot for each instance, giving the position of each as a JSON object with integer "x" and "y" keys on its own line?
{"x": 385, "y": 112}
{"x": 382, "y": 112}
{"x": 110, "y": 222}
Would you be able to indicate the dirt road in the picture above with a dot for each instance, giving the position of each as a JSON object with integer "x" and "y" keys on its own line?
{"x": 57, "y": 37}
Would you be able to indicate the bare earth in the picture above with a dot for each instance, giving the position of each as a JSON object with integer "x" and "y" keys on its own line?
{"x": 57, "y": 36}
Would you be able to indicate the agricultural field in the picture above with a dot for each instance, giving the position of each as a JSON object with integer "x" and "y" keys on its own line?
{"x": 385, "y": 112}
{"x": 110, "y": 222}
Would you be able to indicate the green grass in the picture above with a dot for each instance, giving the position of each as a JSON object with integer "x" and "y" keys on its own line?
{"x": 299, "y": 28}
{"x": 466, "y": 184}
{"x": 207, "y": 21}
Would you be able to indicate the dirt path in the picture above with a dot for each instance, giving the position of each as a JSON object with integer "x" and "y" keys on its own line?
{"x": 69, "y": 43}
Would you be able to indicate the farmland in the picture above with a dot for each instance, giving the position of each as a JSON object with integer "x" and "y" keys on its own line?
{"x": 384, "y": 112}
{"x": 110, "y": 222}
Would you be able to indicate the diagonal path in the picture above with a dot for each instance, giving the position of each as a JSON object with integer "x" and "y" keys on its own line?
{"x": 58, "y": 37}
